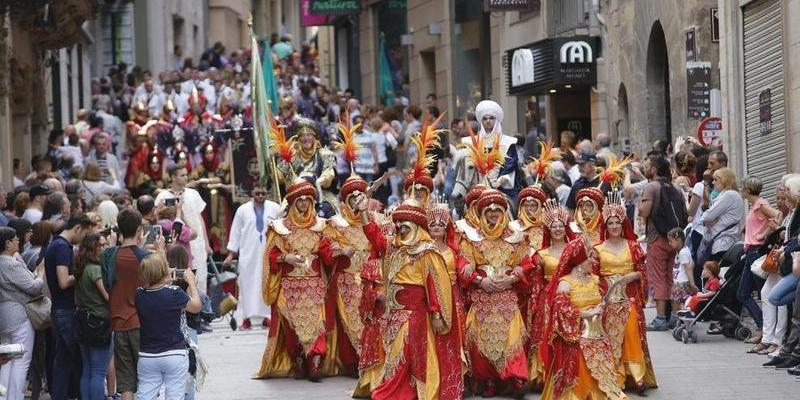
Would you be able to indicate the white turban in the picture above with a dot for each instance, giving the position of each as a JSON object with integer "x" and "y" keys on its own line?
{"x": 489, "y": 107}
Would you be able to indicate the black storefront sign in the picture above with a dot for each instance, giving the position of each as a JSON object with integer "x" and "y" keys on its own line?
{"x": 561, "y": 64}
{"x": 698, "y": 90}
{"x": 765, "y": 111}
{"x": 335, "y": 7}
{"x": 511, "y": 5}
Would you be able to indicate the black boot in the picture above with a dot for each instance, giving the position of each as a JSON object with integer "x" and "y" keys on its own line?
{"x": 775, "y": 361}
{"x": 791, "y": 362}
{"x": 794, "y": 371}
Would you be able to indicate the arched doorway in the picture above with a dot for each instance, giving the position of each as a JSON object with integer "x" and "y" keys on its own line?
{"x": 622, "y": 122}
{"x": 658, "y": 99}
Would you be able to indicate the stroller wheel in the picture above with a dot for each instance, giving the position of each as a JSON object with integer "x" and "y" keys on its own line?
{"x": 742, "y": 333}
{"x": 693, "y": 336}
{"x": 685, "y": 336}
{"x": 676, "y": 333}
{"x": 233, "y": 323}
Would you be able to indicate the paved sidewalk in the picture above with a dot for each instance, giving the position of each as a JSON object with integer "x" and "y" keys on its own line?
{"x": 714, "y": 368}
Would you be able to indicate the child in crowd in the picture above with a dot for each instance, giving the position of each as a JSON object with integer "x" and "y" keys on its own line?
{"x": 682, "y": 269}
{"x": 710, "y": 288}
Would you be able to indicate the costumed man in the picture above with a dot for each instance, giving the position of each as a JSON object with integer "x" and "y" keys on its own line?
{"x": 418, "y": 185}
{"x": 151, "y": 178}
{"x": 503, "y": 178}
{"x": 419, "y": 302}
{"x": 140, "y": 158}
{"x": 496, "y": 272}
{"x": 247, "y": 242}
{"x": 587, "y": 217}
{"x": 471, "y": 220}
{"x": 212, "y": 177}
{"x": 311, "y": 159}
{"x": 298, "y": 259}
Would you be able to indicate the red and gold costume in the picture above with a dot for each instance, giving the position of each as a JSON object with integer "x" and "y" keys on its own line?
{"x": 451, "y": 347}
{"x": 589, "y": 225}
{"x": 417, "y": 292}
{"x": 623, "y": 317}
{"x": 495, "y": 327}
{"x": 531, "y": 225}
{"x": 298, "y": 328}
{"x": 218, "y": 215}
{"x": 418, "y": 184}
{"x": 471, "y": 221}
{"x": 545, "y": 263}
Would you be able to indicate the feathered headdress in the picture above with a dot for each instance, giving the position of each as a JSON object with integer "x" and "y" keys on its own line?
{"x": 348, "y": 144}
{"x": 484, "y": 161}
{"x": 614, "y": 173}
{"x": 279, "y": 144}
{"x": 426, "y": 140}
{"x": 543, "y": 166}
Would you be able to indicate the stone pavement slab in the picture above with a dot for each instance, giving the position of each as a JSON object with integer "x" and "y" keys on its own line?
{"x": 714, "y": 368}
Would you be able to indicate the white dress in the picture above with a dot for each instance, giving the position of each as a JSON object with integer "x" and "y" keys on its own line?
{"x": 249, "y": 243}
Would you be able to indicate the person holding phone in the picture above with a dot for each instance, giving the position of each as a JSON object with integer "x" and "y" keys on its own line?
{"x": 173, "y": 228}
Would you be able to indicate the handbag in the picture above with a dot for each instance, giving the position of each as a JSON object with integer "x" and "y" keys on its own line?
{"x": 38, "y": 311}
{"x": 770, "y": 264}
{"x": 93, "y": 330}
{"x": 757, "y": 267}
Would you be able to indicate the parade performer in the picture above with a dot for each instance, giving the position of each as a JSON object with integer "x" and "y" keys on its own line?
{"x": 298, "y": 256}
{"x": 450, "y": 347}
{"x": 504, "y": 177}
{"x": 471, "y": 220}
{"x": 418, "y": 185}
{"x": 212, "y": 177}
{"x": 151, "y": 178}
{"x": 310, "y": 159}
{"x": 497, "y": 264}
{"x": 620, "y": 266}
{"x": 587, "y": 217}
{"x": 419, "y": 302}
{"x": 575, "y": 350}
{"x": 248, "y": 241}
{"x": 556, "y": 236}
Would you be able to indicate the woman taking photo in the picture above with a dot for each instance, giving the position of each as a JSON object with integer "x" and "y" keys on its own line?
{"x": 17, "y": 286}
{"x": 91, "y": 300}
{"x": 163, "y": 358}
{"x": 619, "y": 263}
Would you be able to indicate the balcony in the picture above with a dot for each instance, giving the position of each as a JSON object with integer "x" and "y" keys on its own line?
{"x": 568, "y": 15}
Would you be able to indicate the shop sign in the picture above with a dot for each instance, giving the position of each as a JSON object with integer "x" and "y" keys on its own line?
{"x": 308, "y": 19}
{"x": 698, "y": 90}
{"x": 509, "y": 5}
{"x": 522, "y": 67}
{"x": 335, "y": 7}
{"x": 708, "y": 132}
{"x": 575, "y": 52}
{"x": 765, "y": 111}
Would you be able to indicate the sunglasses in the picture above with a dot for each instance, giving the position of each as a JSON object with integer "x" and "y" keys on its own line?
{"x": 259, "y": 193}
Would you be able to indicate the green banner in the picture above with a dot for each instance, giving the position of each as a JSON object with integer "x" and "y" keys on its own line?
{"x": 335, "y": 7}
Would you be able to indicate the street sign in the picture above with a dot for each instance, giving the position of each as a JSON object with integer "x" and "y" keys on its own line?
{"x": 708, "y": 132}
{"x": 698, "y": 90}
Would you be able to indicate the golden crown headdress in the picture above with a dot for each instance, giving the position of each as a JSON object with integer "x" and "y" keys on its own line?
{"x": 615, "y": 206}
{"x": 553, "y": 212}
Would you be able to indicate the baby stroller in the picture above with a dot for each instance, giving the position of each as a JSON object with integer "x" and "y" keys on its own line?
{"x": 223, "y": 290}
{"x": 723, "y": 307}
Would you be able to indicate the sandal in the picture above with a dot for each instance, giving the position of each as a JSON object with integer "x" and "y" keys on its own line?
{"x": 769, "y": 349}
{"x": 755, "y": 338}
{"x": 757, "y": 349}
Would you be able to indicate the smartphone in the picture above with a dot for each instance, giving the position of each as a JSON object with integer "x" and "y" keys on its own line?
{"x": 153, "y": 234}
{"x": 178, "y": 273}
{"x": 177, "y": 228}
{"x": 171, "y": 202}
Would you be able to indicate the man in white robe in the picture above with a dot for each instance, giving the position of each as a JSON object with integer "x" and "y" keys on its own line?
{"x": 248, "y": 240}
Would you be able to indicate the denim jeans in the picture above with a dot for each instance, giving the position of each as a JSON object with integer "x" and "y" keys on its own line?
{"x": 95, "y": 367}
{"x": 67, "y": 364}
{"x": 191, "y": 385}
{"x": 746, "y": 285}
{"x": 168, "y": 369}
{"x": 783, "y": 292}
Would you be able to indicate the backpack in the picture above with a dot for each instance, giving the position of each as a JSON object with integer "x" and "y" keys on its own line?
{"x": 108, "y": 264}
{"x": 671, "y": 212}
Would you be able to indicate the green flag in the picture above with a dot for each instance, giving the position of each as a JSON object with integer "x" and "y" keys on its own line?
{"x": 385, "y": 75}
{"x": 261, "y": 113}
{"x": 269, "y": 80}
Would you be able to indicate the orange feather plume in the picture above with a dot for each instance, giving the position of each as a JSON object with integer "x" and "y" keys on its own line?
{"x": 484, "y": 161}
{"x": 348, "y": 144}
{"x": 279, "y": 144}
{"x": 425, "y": 140}
{"x": 614, "y": 173}
{"x": 543, "y": 166}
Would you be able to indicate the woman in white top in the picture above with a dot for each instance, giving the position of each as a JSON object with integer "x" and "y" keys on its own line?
{"x": 93, "y": 185}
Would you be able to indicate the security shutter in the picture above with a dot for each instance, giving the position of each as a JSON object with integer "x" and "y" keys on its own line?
{"x": 763, "y": 78}
{"x": 118, "y": 40}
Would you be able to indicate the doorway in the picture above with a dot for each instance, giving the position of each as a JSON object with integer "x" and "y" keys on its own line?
{"x": 658, "y": 98}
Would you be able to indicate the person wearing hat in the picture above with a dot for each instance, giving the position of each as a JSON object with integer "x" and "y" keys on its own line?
{"x": 211, "y": 177}
{"x": 587, "y": 164}
{"x": 504, "y": 178}
{"x": 38, "y": 195}
{"x": 419, "y": 302}
{"x": 299, "y": 257}
{"x": 587, "y": 217}
{"x": 471, "y": 221}
{"x": 311, "y": 159}
{"x": 497, "y": 264}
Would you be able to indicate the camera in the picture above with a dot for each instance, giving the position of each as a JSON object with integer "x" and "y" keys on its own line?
{"x": 171, "y": 202}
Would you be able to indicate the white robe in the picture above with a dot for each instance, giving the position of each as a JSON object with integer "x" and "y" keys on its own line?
{"x": 250, "y": 244}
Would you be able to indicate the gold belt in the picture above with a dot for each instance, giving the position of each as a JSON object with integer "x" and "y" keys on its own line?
{"x": 616, "y": 291}
{"x": 391, "y": 292}
{"x": 593, "y": 328}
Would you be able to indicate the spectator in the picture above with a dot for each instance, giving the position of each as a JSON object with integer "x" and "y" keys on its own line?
{"x": 121, "y": 277}
{"x": 92, "y": 315}
{"x": 23, "y": 229}
{"x": 109, "y": 163}
{"x": 682, "y": 269}
{"x": 35, "y": 210}
{"x": 164, "y": 359}
{"x": 40, "y": 238}
{"x": 60, "y": 270}
{"x": 17, "y": 287}
{"x": 604, "y": 146}
{"x": 283, "y": 48}
{"x": 710, "y": 288}
{"x": 588, "y": 170}
{"x": 175, "y": 230}
{"x": 93, "y": 185}
{"x": 57, "y": 209}
{"x": 73, "y": 148}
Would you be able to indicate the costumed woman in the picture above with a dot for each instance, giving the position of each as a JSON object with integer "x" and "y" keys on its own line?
{"x": 587, "y": 216}
{"x": 419, "y": 302}
{"x": 575, "y": 350}
{"x": 450, "y": 347}
{"x": 620, "y": 266}
{"x": 212, "y": 178}
{"x": 556, "y": 236}
{"x": 471, "y": 220}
